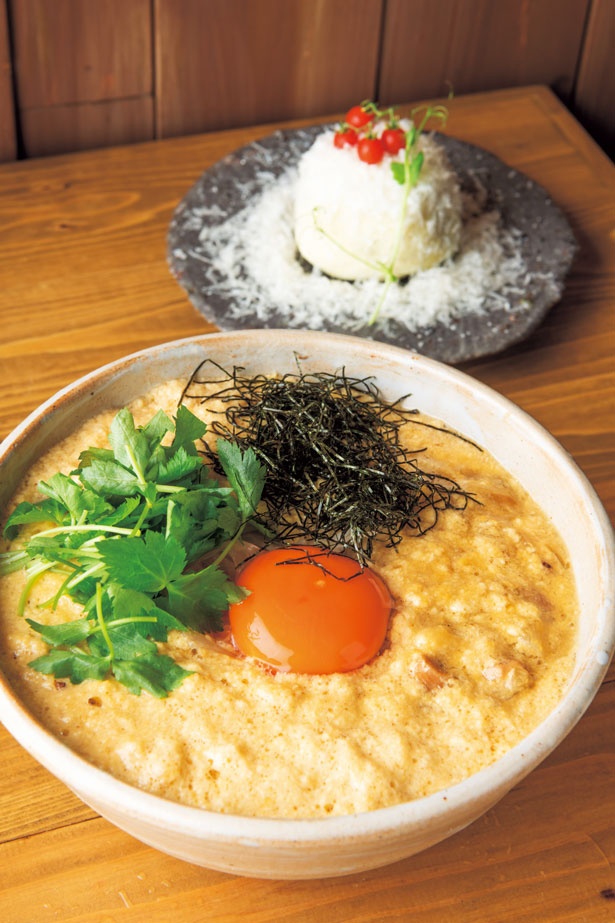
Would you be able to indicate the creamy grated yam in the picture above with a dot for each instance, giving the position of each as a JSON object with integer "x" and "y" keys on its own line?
{"x": 480, "y": 650}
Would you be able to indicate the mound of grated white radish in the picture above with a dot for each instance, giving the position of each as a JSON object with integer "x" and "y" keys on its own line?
{"x": 352, "y": 218}
{"x": 233, "y": 246}
{"x": 251, "y": 263}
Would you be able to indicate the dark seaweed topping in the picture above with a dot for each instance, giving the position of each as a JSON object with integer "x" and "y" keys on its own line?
{"x": 337, "y": 473}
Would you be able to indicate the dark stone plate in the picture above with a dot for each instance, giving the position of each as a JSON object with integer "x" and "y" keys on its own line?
{"x": 547, "y": 243}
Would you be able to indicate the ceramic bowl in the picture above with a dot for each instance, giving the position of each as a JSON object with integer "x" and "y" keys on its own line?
{"x": 297, "y": 849}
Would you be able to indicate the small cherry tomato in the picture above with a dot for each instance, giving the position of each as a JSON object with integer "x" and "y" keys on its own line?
{"x": 345, "y": 137}
{"x": 370, "y": 150}
{"x": 358, "y": 117}
{"x": 393, "y": 140}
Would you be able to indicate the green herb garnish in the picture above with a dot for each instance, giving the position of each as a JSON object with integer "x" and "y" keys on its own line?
{"x": 337, "y": 473}
{"x": 125, "y": 532}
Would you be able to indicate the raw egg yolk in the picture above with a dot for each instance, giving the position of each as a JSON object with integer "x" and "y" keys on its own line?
{"x": 316, "y": 614}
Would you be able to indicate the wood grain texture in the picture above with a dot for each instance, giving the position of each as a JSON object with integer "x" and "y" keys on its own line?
{"x": 202, "y": 65}
{"x": 83, "y": 73}
{"x": 594, "y": 96}
{"x": 471, "y": 45}
{"x": 83, "y": 281}
{"x": 68, "y": 51}
{"x": 227, "y": 63}
{"x": 83, "y": 126}
{"x": 8, "y": 135}
{"x": 55, "y": 802}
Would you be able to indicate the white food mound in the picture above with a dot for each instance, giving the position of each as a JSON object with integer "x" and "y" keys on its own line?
{"x": 249, "y": 262}
{"x": 347, "y": 213}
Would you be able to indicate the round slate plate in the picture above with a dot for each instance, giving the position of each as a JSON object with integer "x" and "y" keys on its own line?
{"x": 506, "y": 317}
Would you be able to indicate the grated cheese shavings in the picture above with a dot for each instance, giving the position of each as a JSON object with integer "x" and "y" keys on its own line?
{"x": 253, "y": 263}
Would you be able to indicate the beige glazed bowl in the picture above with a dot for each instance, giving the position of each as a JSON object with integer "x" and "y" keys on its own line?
{"x": 296, "y": 849}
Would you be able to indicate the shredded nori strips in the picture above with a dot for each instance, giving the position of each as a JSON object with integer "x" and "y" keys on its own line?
{"x": 337, "y": 473}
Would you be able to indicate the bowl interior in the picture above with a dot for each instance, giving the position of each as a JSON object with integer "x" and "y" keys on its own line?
{"x": 518, "y": 442}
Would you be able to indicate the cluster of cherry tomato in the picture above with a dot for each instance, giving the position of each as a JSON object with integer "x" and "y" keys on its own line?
{"x": 358, "y": 130}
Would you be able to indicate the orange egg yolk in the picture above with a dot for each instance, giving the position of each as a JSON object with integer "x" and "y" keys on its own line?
{"x": 318, "y": 615}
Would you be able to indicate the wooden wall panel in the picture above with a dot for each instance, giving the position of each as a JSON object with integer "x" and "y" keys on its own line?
{"x": 227, "y": 63}
{"x": 8, "y": 139}
{"x": 91, "y": 73}
{"x": 594, "y": 97}
{"x": 475, "y": 45}
{"x": 56, "y": 129}
{"x": 71, "y": 51}
{"x": 74, "y": 54}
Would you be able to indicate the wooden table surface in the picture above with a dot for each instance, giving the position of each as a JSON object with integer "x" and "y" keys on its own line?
{"x": 84, "y": 280}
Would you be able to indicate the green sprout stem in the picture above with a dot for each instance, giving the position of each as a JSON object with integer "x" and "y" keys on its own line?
{"x": 12, "y": 560}
{"x": 55, "y": 599}
{"x": 101, "y": 620}
{"x": 226, "y": 549}
{"x": 377, "y": 267}
{"x": 33, "y": 577}
{"x": 60, "y": 530}
{"x": 136, "y": 466}
{"x": 84, "y": 574}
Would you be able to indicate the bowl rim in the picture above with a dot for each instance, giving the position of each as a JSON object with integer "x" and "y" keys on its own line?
{"x": 97, "y": 787}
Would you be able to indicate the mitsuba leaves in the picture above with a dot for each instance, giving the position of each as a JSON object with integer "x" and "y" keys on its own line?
{"x": 154, "y": 431}
{"x": 148, "y": 564}
{"x": 49, "y": 511}
{"x": 65, "y": 633}
{"x": 72, "y": 496}
{"x": 199, "y": 599}
{"x": 201, "y": 520}
{"x": 125, "y": 532}
{"x": 75, "y": 665}
{"x": 188, "y": 430}
{"x": 144, "y": 615}
{"x": 134, "y": 447}
{"x": 119, "y": 514}
{"x": 156, "y": 674}
{"x": 126, "y": 643}
{"x": 107, "y": 476}
{"x": 180, "y": 465}
{"x": 245, "y": 473}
